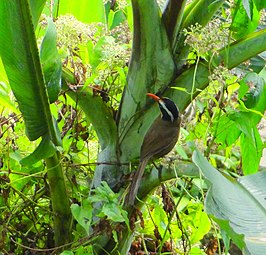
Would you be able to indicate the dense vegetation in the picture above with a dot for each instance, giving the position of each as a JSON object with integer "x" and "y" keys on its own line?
{"x": 73, "y": 79}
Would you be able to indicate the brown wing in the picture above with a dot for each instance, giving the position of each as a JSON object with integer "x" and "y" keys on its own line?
{"x": 160, "y": 138}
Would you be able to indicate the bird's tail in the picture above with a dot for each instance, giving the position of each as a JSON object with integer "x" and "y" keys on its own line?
{"x": 134, "y": 186}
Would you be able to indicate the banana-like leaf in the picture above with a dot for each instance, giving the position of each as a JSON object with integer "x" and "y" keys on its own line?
{"x": 84, "y": 10}
{"x": 46, "y": 149}
{"x": 20, "y": 56}
{"x": 51, "y": 62}
{"x": 151, "y": 69}
{"x": 36, "y": 10}
{"x": 238, "y": 206}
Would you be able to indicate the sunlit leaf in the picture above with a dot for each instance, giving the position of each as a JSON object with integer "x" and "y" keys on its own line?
{"x": 245, "y": 19}
{"x": 84, "y": 10}
{"x": 20, "y": 57}
{"x": 51, "y": 62}
{"x": 180, "y": 88}
{"x": 196, "y": 251}
{"x": 44, "y": 150}
{"x": 227, "y": 131}
{"x": 251, "y": 151}
{"x": 248, "y": 5}
{"x": 67, "y": 253}
{"x": 36, "y": 10}
{"x": 161, "y": 220}
{"x": 117, "y": 18}
{"x": 96, "y": 53}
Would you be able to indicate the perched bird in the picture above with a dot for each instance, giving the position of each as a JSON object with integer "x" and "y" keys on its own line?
{"x": 158, "y": 141}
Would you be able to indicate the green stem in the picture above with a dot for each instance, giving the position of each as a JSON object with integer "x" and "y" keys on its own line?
{"x": 60, "y": 202}
{"x": 194, "y": 79}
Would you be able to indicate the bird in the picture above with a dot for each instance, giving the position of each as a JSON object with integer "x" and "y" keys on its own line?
{"x": 159, "y": 140}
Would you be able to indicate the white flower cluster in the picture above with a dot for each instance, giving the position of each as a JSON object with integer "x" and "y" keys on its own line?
{"x": 212, "y": 37}
{"x": 71, "y": 32}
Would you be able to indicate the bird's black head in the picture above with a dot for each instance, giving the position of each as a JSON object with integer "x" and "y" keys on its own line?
{"x": 168, "y": 108}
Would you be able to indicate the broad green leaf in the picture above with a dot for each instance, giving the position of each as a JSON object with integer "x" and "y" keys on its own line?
{"x": 243, "y": 89}
{"x": 96, "y": 53}
{"x": 263, "y": 73}
{"x": 257, "y": 63}
{"x": 196, "y": 251}
{"x": 83, "y": 214}
{"x": 36, "y": 10}
{"x": 200, "y": 224}
{"x": 129, "y": 15}
{"x": 179, "y": 149}
{"x": 151, "y": 68}
{"x": 226, "y": 239}
{"x": 107, "y": 7}
{"x": 245, "y": 19}
{"x": 51, "y": 62}
{"x": 238, "y": 206}
{"x": 3, "y": 77}
{"x": 110, "y": 20}
{"x": 67, "y": 253}
{"x": 160, "y": 219}
{"x": 255, "y": 83}
{"x": 113, "y": 212}
{"x": 117, "y": 18}
{"x": 251, "y": 151}
{"x": 260, "y": 4}
{"x": 248, "y": 6}
{"x": 256, "y": 99}
{"x": 87, "y": 11}
{"x": 20, "y": 57}
{"x": 44, "y": 150}
{"x": 103, "y": 193}
{"x": 243, "y": 121}
{"x": 98, "y": 114}
{"x": 227, "y": 131}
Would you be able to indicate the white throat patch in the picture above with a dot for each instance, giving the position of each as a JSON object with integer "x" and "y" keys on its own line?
{"x": 167, "y": 111}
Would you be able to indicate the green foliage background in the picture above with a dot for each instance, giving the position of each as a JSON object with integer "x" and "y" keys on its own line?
{"x": 80, "y": 97}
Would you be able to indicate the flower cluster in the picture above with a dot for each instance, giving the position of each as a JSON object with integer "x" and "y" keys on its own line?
{"x": 121, "y": 33}
{"x": 220, "y": 75}
{"x": 71, "y": 32}
{"x": 206, "y": 39}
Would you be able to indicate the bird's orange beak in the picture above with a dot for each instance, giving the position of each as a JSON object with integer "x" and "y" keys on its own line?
{"x": 156, "y": 98}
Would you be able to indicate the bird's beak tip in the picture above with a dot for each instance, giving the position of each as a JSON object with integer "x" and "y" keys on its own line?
{"x": 153, "y": 96}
